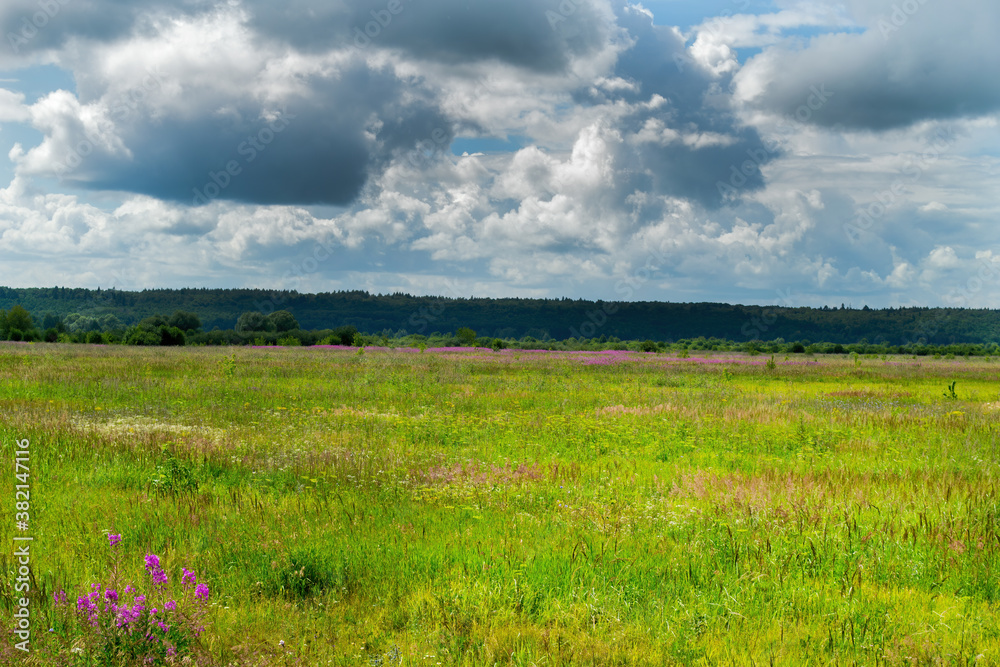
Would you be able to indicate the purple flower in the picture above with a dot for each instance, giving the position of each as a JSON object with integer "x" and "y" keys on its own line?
{"x": 188, "y": 579}
{"x": 201, "y": 592}
{"x": 114, "y": 539}
{"x": 170, "y": 606}
{"x": 59, "y": 597}
{"x": 152, "y": 562}
{"x": 159, "y": 577}
{"x": 163, "y": 626}
{"x": 111, "y": 595}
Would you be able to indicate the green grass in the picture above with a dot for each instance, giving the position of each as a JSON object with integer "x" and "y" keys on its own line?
{"x": 517, "y": 508}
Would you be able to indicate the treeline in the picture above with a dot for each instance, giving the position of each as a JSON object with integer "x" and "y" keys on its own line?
{"x": 513, "y": 319}
{"x": 281, "y": 328}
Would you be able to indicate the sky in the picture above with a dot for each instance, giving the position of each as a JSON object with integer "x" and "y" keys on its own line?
{"x": 795, "y": 153}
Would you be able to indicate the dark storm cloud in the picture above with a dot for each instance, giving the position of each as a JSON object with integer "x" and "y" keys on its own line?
{"x": 28, "y": 26}
{"x": 518, "y": 32}
{"x": 710, "y": 174}
{"x": 320, "y": 150}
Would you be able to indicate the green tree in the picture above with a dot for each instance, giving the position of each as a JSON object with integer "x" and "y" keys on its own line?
{"x": 19, "y": 318}
{"x": 252, "y": 321}
{"x": 466, "y": 336}
{"x": 283, "y": 321}
{"x": 185, "y": 321}
{"x": 171, "y": 336}
{"x": 345, "y": 334}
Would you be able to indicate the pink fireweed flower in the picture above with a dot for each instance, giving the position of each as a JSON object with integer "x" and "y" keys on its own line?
{"x": 159, "y": 577}
{"x": 163, "y": 626}
{"x": 111, "y": 595}
{"x": 188, "y": 579}
{"x": 59, "y": 597}
{"x": 170, "y": 606}
{"x": 201, "y": 592}
{"x": 114, "y": 539}
{"x": 152, "y": 562}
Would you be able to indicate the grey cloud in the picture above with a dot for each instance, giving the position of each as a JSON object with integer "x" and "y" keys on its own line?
{"x": 517, "y": 32}
{"x": 320, "y": 150}
{"x": 709, "y": 175}
{"x": 933, "y": 62}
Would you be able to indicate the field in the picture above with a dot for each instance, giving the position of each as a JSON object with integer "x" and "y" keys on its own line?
{"x": 470, "y": 507}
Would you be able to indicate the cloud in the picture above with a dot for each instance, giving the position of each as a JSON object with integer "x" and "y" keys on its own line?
{"x": 914, "y": 61}
{"x": 160, "y": 114}
{"x": 236, "y": 143}
{"x": 12, "y": 108}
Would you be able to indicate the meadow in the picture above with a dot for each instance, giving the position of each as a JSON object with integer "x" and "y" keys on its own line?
{"x": 478, "y": 507}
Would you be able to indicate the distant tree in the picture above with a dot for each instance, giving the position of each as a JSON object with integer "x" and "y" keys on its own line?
{"x": 185, "y": 321}
{"x": 139, "y": 335}
{"x": 345, "y": 334}
{"x": 283, "y": 321}
{"x": 109, "y": 322}
{"x": 466, "y": 336}
{"x": 19, "y": 318}
{"x": 171, "y": 336}
{"x": 50, "y": 320}
{"x": 253, "y": 321}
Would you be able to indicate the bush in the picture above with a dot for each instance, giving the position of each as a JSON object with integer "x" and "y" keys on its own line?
{"x": 171, "y": 336}
{"x": 648, "y": 346}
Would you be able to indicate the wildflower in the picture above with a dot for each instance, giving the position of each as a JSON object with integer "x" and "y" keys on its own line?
{"x": 170, "y": 606}
{"x": 152, "y": 562}
{"x": 163, "y": 626}
{"x": 201, "y": 592}
{"x": 111, "y": 595}
{"x": 188, "y": 579}
{"x": 159, "y": 577}
{"x": 114, "y": 539}
{"x": 59, "y": 597}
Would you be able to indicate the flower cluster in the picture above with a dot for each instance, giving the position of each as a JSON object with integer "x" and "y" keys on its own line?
{"x": 155, "y": 571}
{"x": 130, "y": 625}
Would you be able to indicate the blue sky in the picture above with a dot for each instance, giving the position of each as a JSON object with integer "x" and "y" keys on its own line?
{"x": 802, "y": 152}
